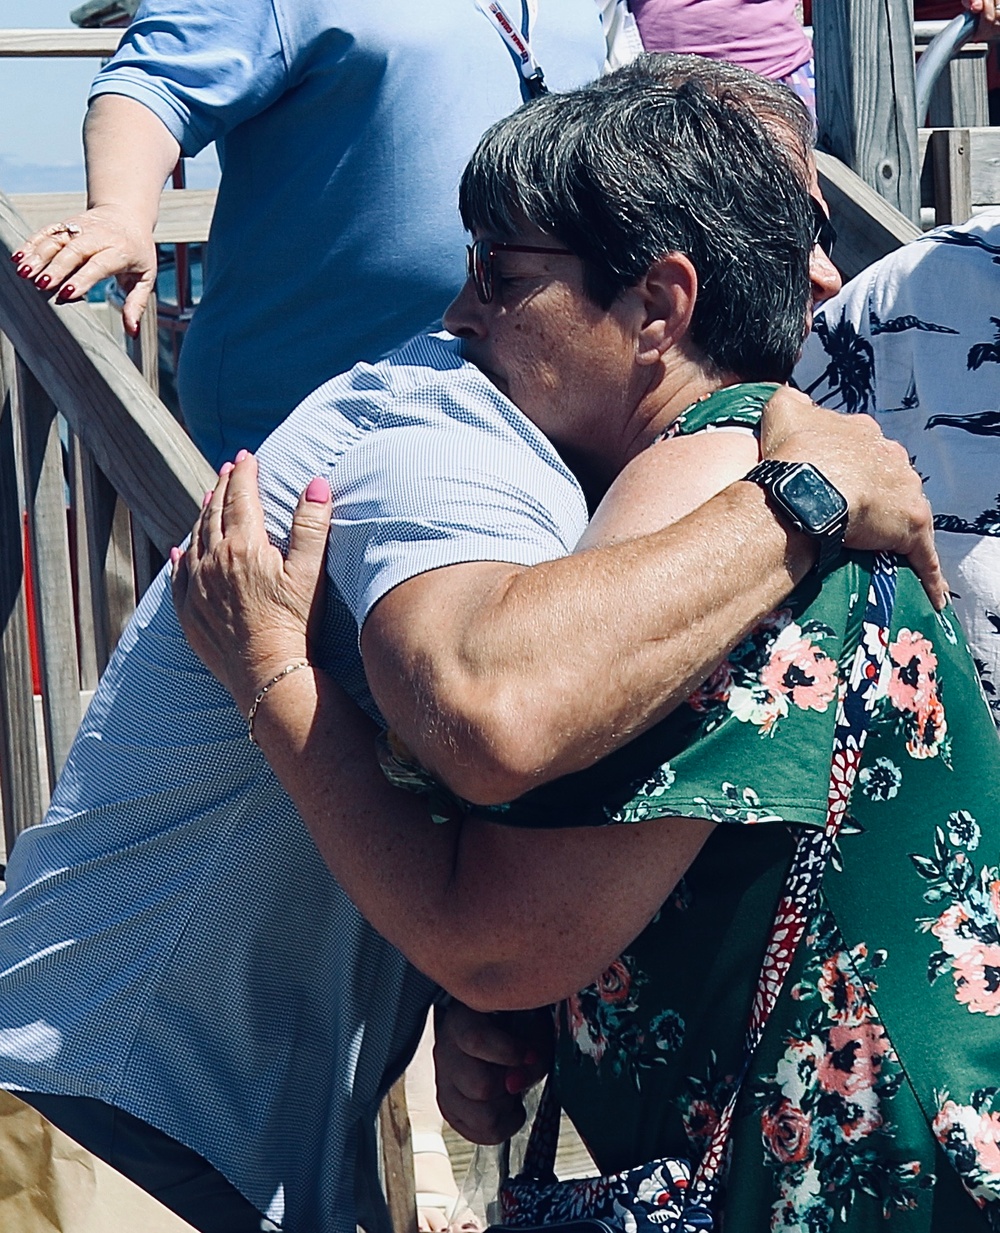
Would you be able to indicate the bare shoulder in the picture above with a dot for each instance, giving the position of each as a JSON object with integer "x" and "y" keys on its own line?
{"x": 669, "y": 480}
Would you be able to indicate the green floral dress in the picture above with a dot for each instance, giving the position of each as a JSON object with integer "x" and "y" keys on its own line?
{"x": 873, "y": 1101}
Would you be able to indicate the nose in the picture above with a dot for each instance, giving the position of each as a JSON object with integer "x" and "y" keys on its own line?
{"x": 824, "y": 277}
{"x": 464, "y": 316}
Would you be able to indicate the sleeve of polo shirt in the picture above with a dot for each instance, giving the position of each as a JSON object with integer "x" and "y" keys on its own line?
{"x": 416, "y": 496}
{"x": 201, "y": 70}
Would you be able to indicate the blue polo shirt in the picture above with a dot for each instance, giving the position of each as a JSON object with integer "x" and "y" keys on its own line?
{"x": 343, "y": 127}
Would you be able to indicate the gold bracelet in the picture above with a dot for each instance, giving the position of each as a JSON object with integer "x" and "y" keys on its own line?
{"x": 286, "y": 671}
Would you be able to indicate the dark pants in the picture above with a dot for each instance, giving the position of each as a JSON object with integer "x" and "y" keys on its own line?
{"x": 178, "y": 1177}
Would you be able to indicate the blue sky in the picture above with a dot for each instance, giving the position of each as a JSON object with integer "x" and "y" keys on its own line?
{"x": 42, "y": 104}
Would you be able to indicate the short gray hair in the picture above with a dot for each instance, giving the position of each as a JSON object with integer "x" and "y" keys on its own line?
{"x": 776, "y": 106}
{"x": 628, "y": 170}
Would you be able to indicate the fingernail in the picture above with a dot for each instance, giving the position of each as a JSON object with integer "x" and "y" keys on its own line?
{"x": 242, "y": 454}
{"x": 226, "y": 468}
{"x": 514, "y": 1082}
{"x": 206, "y": 498}
{"x": 43, "y": 281}
{"x": 318, "y": 491}
{"x": 66, "y": 292}
{"x": 24, "y": 271}
{"x": 18, "y": 256}
{"x": 175, "y": 555}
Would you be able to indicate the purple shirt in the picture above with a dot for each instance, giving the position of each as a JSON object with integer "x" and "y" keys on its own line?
{"x": 762, "y": 35}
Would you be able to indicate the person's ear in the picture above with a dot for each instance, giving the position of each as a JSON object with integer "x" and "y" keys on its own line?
{"x": 668, "y": 291}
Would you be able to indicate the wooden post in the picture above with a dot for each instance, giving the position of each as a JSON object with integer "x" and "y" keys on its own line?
{"x": 866, "y": 96}
{"x": 106, "y": 583}
{"x": 397, "y": 1159}
{"x": 46, "y": 492}
{"x": 950, "y": 152}
{"x": 144, "y": 353}
{"x": 20, "y": 786}
{"x": 960, "y": 99}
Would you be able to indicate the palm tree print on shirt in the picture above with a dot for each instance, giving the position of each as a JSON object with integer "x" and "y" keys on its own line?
{"x": 986, "y": 352}
{"x": 850, "y": 372}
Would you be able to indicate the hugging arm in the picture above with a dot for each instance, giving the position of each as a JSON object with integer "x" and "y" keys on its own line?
{"x": 488, "y": 893}
{"x": 467, "y": 901}
{"x": 533, "y": 673}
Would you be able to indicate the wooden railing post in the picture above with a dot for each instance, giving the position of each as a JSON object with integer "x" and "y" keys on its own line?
{"x": 20, "y": 786}
{"x": 45, "y": 484}
{"x": 397, "y": 1159}
{"x": 950, "y": 152}
{"x": 143, "y": 351}
{"x": 866, "y": 96}
{"x": 106, "y": 582}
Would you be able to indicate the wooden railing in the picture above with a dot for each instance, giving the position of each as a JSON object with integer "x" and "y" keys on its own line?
{"x": 104, "y": 475}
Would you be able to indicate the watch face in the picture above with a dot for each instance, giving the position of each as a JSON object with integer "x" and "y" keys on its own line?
{"x": 817, "y": 503}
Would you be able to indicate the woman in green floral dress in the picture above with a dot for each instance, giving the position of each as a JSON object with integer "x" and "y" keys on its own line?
{"x": 872, "y": 1101}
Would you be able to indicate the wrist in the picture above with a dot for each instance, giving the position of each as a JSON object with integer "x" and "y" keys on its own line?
{"x": 273, "y": 682}
{"x": 798, "y": 551}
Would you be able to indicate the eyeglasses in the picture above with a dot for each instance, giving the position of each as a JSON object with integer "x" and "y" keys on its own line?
{"x": 479, "y": 262}
{"x": 825, "y": 234}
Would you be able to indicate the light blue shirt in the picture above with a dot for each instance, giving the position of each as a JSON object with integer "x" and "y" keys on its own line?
{"x": 343, "y": 127}
{"x": 170, "y": 940}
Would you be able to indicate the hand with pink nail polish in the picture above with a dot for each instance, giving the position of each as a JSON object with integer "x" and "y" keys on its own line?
{"x": 246, "y": 609}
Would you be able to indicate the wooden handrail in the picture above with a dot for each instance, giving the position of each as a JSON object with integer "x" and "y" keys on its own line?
{"x": 62, "y": 43}
{"x": 135, "y": 441}
{"x": 868, "y": 226}
{"x": 185, "y": 214}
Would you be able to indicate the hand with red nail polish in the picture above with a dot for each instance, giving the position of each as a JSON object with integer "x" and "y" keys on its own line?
{"x": 68, "y": 258}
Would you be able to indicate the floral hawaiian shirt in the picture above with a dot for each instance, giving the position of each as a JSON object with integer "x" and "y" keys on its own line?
{"x": 873, "y": 1100}
{"x": 914, "y": 341}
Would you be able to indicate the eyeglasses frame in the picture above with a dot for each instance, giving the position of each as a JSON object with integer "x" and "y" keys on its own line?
{"x": 479, "y": 262}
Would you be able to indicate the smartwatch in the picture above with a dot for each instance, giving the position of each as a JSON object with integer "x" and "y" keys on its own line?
{"x": 806, "y": 498}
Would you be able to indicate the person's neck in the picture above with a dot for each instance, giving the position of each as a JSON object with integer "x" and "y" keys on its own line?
{"x": 678, "y": 382}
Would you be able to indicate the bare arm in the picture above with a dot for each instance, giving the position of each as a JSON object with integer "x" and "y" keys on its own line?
{"x": 499, "y": 677}
{"x": 129, "y": 155}
{"x": 487, "y": 893}
{"x": 467, "y": 901}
